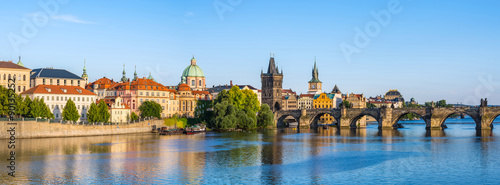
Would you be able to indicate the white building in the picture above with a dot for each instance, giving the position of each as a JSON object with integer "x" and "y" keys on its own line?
{"x": 56, "y": 96}
{"x": 305, "y": 101}
{"x": 120, "y": 112}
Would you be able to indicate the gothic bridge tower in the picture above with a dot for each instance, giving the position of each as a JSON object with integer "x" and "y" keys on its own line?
{"x": 272, "y": 82}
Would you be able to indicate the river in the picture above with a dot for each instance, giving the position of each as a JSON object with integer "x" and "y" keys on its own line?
{"x": 411, "y": 155}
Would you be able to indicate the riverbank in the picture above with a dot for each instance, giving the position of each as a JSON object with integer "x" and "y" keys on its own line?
{"x": 34, "y": 129}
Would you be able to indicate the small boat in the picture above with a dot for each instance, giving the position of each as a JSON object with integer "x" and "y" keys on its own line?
{"x": 198, "y": 128}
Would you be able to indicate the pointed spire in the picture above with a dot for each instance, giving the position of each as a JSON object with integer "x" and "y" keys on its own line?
{"x": 151, "y": 77}
{"x": 336, "y": 90}
{"x": 135, "y": 72}
{"x": 315, "y": 73}
{"x": 84, "y": 75}
{"x": 124, "y": 77}
{"x": 20, "y": 63}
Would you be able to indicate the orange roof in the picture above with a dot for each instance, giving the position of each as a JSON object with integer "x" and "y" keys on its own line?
{"x": 110, "y": 102}
{"x": 183, "y": 87}
{"x": 102, "y": 83}
{"x": 10, "y": 64}
{"x": 307, "y": 95}
{"x": 147, "y": 84}
{"x": 289, "y": 91}
{"x": 58, "y": 89}
{"x": 201, "y": 92}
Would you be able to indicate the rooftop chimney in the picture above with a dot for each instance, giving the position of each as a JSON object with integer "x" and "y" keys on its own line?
{"x": 231, "y": 82}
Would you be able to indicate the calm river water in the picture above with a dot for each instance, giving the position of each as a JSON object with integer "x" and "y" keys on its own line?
{"x": 412, "y": 155}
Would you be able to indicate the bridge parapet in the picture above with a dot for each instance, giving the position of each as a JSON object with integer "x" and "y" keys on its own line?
{"x": 388, "y": 117}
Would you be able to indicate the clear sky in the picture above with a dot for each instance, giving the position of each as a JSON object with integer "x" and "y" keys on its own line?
{"x": 429, "y": 50}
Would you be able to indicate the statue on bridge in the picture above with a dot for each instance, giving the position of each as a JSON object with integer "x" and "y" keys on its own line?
{"x": 484, "y": 103}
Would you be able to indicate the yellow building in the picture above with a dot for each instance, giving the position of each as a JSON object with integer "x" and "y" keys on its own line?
{"x": 8, "y": 70}
{"x": 324, "y": 101}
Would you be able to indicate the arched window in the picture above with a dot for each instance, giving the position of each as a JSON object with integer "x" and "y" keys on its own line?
{"x": 200, "y": 83}
{"x": 193, "y": 83}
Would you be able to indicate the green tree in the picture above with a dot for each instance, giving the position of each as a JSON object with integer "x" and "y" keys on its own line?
{"x": 370, "y": 105}
{"x": 4, "y": 101}
{"x": 102, "y": 111}
{"x": 225, "y": 116}
{"x": 202, "y": 110}
{"x": 250, "y": 101}
{"x": 222, "y": 96}
{"x": 346, "y": 104}
{"x": 150, "y": 109}
{"x": 27, "y": 109}
{"x": 246, "y": 119}
{"x": 134, "y": 116}
{"x": 93, "y": 113}
{"x": 236, "y": 97}
{"x": 46, "y": 113}
{"x": 69, "y": 112}
{"x": 36, "y": 111}
{"x": 265, "y": 118}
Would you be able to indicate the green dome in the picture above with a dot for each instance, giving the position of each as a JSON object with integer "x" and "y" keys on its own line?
{"x": 193, "y": 71}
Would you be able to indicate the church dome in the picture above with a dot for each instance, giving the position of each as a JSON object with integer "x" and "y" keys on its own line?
{"x": 393, "y": 93}
{"x": 193, "y": 70}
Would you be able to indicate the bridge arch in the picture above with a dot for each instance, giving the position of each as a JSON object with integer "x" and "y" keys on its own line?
{"x": 375, "y": 113}
{"x": 280, "y": 122}
{"x": 315, "y": 118}
{"x": 476, "y": 119}
{"x": 491, "y": 120}
{"x": 399, "y": 116}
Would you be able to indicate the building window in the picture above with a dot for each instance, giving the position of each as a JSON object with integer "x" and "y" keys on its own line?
{"x": 200, "y": 83}
{"x": 57, "y": 81}
{"x": 71, "y": 82}
{"x": 193, "y": 83}
{"x": 147, "y": 93}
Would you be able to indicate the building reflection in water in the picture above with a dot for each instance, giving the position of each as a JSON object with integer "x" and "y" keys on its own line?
{"x": 272, "y": 155}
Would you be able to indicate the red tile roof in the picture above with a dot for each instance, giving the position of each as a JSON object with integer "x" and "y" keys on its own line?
{"x": 183, "y": 87}
{"x": 10, "y": 64}
{"x": 307, "y": 95}
{"x": 58, "y": 89}
{"x": 102, "y": 83}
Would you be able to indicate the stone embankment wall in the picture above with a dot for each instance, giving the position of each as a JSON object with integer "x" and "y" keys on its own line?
{"x": 34, "y": 129}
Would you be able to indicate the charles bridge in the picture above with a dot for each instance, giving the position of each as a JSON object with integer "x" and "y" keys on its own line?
{"x": 388, "y": 117}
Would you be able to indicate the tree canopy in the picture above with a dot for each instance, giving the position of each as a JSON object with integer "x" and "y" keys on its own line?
{"x": 235, "y": 109}
{"x": 150, "y": 109}
{"x": 265, "y": 117}
{"x": 70, "y": 113}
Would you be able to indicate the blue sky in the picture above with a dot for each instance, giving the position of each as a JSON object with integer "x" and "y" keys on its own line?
{"x": 427, "y": 50}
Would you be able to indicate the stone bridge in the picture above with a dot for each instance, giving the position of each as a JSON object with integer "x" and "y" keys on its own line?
{"x": 388, "y": 117}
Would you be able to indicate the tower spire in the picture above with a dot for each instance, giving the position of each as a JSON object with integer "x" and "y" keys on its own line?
{"x": 124, "y": 77}
{"x": 84, "y": 69}
{"x": 84, "y": 75}
{"x": 135, "y": 72}
{"x": 20, "y": 63}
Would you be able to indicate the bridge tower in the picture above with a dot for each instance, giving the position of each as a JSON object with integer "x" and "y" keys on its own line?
{"x": 272, "y": 89}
